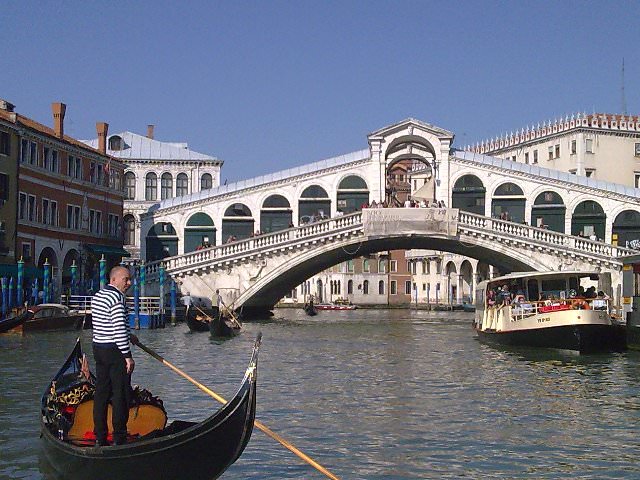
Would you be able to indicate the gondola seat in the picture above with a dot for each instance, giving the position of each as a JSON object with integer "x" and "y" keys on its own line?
{"x": 143, "y": 419}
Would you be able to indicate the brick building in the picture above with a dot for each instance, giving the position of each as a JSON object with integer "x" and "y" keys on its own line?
{"x": 68, "y": 201}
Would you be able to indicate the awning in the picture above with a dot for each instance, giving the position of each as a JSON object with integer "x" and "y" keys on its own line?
{"x": 107, "y": 250}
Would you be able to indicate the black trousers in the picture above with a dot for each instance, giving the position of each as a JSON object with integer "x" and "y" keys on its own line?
{"x": 112, "y": 383}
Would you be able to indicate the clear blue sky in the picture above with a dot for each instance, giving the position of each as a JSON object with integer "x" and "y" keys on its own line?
{"x": 267, "y": 85}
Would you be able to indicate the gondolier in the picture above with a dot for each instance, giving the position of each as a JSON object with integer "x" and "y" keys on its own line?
{"x": 112, "y": 354}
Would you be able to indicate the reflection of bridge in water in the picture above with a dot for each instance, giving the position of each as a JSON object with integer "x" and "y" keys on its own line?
{"x": 262, "y": 269}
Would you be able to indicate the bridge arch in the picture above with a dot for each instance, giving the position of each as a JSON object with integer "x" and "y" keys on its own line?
{"x": 351, "y": 193}
{"x": 549, "y": 211}
{"x": 312, "y": 202}
{"x": 275, "y": 214}
{"x": 469, "y": 194}
{"x": 199, "y": 231}
{"x": 237, "y": 222}
{"x": 268, "y": 289}
{"x": 466, "y": 281}
{"x": 626, "y": 229}
{"x": 508, "y": 202}
{"x": 161, "y": 241}
{"x": 588, "y": 219}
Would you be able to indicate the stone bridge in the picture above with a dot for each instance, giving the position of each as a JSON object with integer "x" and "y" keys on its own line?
{"x": 255, "y": 273}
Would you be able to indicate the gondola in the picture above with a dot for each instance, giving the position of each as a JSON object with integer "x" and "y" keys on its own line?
{"x": 310, "y": 309}
{"x": 16, "y": 321}
{"x": 193, "y": 450}
{"x": 194, "y": 323}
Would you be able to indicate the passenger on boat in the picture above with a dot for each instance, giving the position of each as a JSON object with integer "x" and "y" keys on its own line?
{"x": 505, "y": 295}
{"x": 600, "y": 302}
{"x": 112, "y": 354}
{"x": 491, "y": 298}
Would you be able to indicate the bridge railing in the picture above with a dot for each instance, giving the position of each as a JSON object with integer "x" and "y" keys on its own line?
{"x": 353, "y": 221}
{"x": 255, "y": 244}
{"x": 543, "y": 236}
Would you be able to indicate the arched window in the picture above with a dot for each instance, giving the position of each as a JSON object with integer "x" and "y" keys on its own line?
{"x": 381, "y": 287}
{"x": 151, "y": 186}
{"x": 182, "y": 185}
{"x": 166, "y": 186}
{"x": 129, "y": 230}
{"x": 130, "y": 185}
{"x": 350, "y": 287}
{"x": 206, "y": 181}
{"x": 365, "y": 287}
{"x": 382, "y": 266}
{"x": 116, "y": 143}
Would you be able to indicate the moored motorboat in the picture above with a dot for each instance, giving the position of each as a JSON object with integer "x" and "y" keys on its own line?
{"x": 194, "y": 450}
{"x": 549, "y": 310}
{"x": 46, "y": 316}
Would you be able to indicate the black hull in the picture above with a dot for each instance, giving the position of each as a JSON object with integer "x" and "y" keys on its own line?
{"x": 198, "y": 451}
{"x": 194, "y": 324}
{"x": 223, "y": 328}
{"x": 310, "y": 310}
{"x": 581, "y": 338}
{"x": 13, "y": 322}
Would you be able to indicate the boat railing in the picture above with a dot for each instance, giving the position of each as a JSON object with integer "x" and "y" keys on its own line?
{"x": 497, "y": 316}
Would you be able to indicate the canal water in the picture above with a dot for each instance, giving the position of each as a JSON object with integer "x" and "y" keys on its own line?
{"x": 384, "y": 394}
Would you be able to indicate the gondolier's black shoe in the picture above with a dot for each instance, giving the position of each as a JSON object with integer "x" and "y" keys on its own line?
{"x": 119, "y": 441}
{"x": 102, "y": 443}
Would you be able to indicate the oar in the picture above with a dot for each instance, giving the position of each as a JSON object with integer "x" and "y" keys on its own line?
{"x": 202, "y": 312}
{"x": 220, "y": 399}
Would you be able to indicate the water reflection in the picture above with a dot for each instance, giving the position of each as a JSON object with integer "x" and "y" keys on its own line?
{"x": 371, "y": 395}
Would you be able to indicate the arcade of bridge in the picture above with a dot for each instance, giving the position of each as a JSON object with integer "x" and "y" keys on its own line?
{"x": 471, "y": 182}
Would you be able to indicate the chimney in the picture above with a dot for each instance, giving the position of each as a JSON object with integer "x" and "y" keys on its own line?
{"x": 150, "y": 131}
{"x": 102, "y": 129}
{"x": 58, "y": 110}
{"x": 6, "y": 106}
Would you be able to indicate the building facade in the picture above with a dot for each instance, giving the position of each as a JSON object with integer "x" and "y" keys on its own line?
{"x": 156, "y": 171}
{"x": 68, "y": 199}
{"x": 9, "y": 154}
{"x": 602, "y": 146}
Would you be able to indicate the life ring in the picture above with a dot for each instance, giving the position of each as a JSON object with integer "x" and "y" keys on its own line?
{"x": 581, "y": 304}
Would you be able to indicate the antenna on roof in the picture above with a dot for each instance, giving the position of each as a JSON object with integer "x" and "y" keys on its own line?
{"x": 624, "y": 100}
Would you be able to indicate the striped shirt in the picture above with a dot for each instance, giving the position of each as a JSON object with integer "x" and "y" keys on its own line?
{"x": 110, "y": 320}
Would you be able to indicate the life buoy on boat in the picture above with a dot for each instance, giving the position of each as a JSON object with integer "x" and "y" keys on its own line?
{"x": 581, "y": 304}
